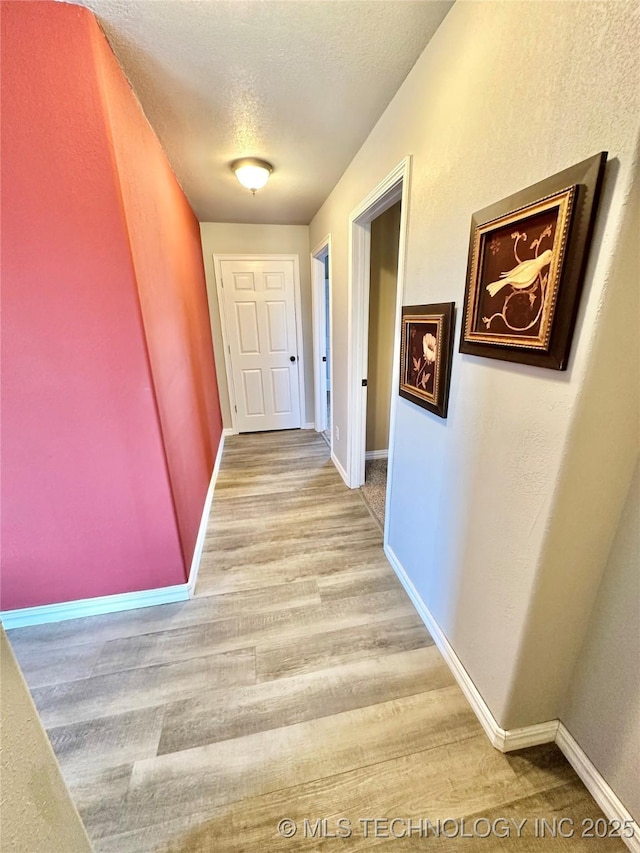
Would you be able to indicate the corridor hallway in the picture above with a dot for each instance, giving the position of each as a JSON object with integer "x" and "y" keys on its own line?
{"x": 299, "y": 683}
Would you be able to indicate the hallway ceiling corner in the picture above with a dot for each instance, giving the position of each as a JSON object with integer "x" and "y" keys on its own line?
{"x": 300, "y": 83}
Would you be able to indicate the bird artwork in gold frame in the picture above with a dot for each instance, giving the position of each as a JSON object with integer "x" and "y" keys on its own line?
{"x": 526, "y": 263}
{"x": 517, "y": 265}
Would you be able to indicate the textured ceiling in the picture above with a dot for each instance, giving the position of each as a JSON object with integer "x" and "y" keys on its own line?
{"x": 297, "y": 82}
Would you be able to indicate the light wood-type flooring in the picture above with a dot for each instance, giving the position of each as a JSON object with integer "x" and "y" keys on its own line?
{"x": 299, "y": 683}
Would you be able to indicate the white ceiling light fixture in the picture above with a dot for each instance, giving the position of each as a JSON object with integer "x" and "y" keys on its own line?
{"x": 252, "y": 173}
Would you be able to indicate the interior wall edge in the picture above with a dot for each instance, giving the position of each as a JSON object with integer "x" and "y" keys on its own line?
{"x": 206, "y": 512}
{"x": 38, "y": 812}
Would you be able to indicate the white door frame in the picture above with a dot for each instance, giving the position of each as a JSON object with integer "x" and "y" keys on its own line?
{"x": 217, "y": 264}
{"x": 320, "y": 319}
{"x": 395, "y": 187}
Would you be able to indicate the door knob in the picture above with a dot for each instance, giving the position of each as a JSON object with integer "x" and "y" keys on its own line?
{"x": 292, "y": 358}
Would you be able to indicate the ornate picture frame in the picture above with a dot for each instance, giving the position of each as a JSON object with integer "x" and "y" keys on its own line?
{"x": 527, "y": 257}
{"x": 426, "y": 349}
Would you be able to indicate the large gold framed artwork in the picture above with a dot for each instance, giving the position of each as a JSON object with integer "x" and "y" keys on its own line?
{"x": 526, "y": 264}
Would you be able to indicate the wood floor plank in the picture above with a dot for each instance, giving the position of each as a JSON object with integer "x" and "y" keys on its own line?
{"x": 416, "y": 785}
{"x": 519, "y": 826}
{"x": 291, "y": 539}
{"x": 312, "y": 505}
{"x": 309, "y": 503}
{"x": 60, "y": 664}
{"x": 43, "y": 639}
{"x": 281, "y": 475}
{"x": 230, "y": 550}
{"x": 100, "y": 797}
{"x": 349, "y": 584}
{"x": 233, "y": 574}
{"x": 453, "y": 780}
{"x": 160, "y": 837}
{"x": 107, "y": 742}
{"x": 214, "y": 716}
{"x": 115, "y": 693}
{"x": 251, "y": 629}
{"x": 179, "y": 783}
{"x": 359, "y": 642}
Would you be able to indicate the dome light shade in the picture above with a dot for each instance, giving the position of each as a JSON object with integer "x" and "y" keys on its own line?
{"x": 252, "y": 173}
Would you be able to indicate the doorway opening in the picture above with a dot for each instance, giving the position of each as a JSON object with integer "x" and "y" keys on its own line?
{"x": 383, "y": 285}
{"x": 393, "y": 189}
{"x": 321, "y": 278}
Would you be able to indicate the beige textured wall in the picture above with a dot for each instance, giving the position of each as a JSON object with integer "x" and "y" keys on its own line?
{"x": 598, "y": 459}
{"x": 518, "y": 493}
{"x": 602, "y": 709}
{"x": 229, "y": 238}
{"x": 36, "y": 811}
{"x": 385, "y": 233}
{"x": 602, "y": 706}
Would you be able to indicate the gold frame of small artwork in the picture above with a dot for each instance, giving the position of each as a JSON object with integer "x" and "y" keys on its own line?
{"x": 426, "y": 344}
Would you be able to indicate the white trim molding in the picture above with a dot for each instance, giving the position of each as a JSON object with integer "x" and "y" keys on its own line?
{"x": 99, "y": 605}
{"x": 376, "y": 454}
{"x": 552, "y": 731}
{"x": 393, "y": 188}
{"x": 597, "y": 786}
{"x": 229, "y": 431}
{"x": 321, "y": 322}
{"x": 309, "y": 425}
{"x": 340, "y": 469}
{"x": 93, "y": 606}
{"x": 204, "y": 520}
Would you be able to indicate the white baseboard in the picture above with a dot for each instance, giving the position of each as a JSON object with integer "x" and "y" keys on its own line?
{"x": 340, "y": 470}
{"x": 310, "y": 425}
{"x": 509, "y": 740}
{"x": 505, "y": 741}
{"x": 376, "y": 454}
{"x": 229, "y": 431}
{"x": 126, "y": 600}
{"x": 204, "y": 520}
{"x": 597, "y": 786}
{"x": 93, "y": 606}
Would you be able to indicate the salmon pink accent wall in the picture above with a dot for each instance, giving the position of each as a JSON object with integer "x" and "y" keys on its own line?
{"x": 105, "y": 362}
{"x": 165, "y": 244}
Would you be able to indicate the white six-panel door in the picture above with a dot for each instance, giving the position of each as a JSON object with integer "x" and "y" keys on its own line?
{"x": 260, "y": 318}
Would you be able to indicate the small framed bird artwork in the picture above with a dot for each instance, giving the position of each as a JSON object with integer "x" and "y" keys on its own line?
{"x": 527, "y": 257}
{"x": 426, "y": 348}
